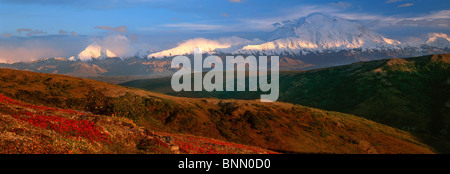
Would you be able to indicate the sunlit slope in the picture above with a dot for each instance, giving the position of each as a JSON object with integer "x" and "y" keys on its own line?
{"x": 411, "y": 94}
{"x": 277, "y": 126}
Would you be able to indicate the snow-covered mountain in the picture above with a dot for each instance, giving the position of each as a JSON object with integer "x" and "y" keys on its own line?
{"x": 226, "y": 44}
{"x": 318, "y": 32}
{"x": 439, "y": 40}
{"x": 310, "y": 42}
{"x": 318, "y": 39}
{"x": 315, "y": 33}
{"x": 188, "y": 47}
{"x": 94, "y": 51}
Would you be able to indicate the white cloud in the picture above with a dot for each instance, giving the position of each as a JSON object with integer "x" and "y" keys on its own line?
{"x": 6, "y": 35}
{"x": 19, "y": 49}
{"x": 13, "y": 54}
{"x": 406, "y": 5}
{"x": 118, "y": 44}
{"x": 36, "y": 32}
{"x": 292, "y": 13}
{"x": 235, "y": 1}
{"x": 434, "y": 15}
{"x": 20, "y": 30}
{"x": 289, "y": 14}
{"x": 121, "y": 45}
{"x": 120, "y": 29}
{"x": 440, "y": 19}
{"x": 342, "y": 4}
{"x": 62, "y": 32}
{"x": 437, "y": 19}
{"x": 30, "y": 32}
{"x": 193, "y": 26}
{"x": 391, "y": 1}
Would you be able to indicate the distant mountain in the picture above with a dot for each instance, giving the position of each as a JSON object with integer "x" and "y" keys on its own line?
{"x": 97, "y": 67}
{"x": 188, "y": 48}
{"x": 208, "y": 46}
{"x": 94, "y": 51}
{"x": 439, "y": 40}
{"x": 287, "y": 64}
{"x": 317, "y": 39}
{"x": 318, "y": 32}
{"x": 314, "y": 33}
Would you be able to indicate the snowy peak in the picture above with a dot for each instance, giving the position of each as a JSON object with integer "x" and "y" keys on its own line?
{"x": 292, "y": 28}
{"x": 439, "y": 40}
{"x": 222, "y": 45}
{"x": 95, "y": 51}
{"x": 320, "y": 32}
{"x": 188, "y": 47}
{"x": 319, "y": 27}
{"x": 314, "y": 34}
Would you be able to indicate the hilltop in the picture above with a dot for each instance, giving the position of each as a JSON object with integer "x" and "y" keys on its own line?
{"x": 280, "y": 127}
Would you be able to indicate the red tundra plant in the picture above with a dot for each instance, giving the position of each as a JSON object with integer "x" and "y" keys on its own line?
{"x": 70, "y": 127}
{"x": 4, "y": 99}
{"x": 199, "y": 145}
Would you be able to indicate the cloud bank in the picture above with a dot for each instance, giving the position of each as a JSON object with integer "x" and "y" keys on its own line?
{"x": 117, "y": 30}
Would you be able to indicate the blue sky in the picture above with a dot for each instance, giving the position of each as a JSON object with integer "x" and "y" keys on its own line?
{"x": 166, "y": 22}
{"x": 147, "y": 16}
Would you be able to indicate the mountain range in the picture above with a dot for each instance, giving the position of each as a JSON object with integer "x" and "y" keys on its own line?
{"x": 314, "y": 41}
{"x": 319, "y": 39}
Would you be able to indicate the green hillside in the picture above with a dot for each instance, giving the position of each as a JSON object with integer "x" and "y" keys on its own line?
{"x": 412, "y": 94}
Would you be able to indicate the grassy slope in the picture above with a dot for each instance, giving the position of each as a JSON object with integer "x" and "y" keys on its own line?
{"x": 27, "y": 128}
{"x": 279, "y": 126}
{"x": 411, "y": 94}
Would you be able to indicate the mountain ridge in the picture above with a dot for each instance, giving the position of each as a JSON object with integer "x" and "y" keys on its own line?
{"x": 315, "y": 41}
{"x": 320, "y": 32}
{"x": 94, "y": 51}
{"x": 315, "y": 34}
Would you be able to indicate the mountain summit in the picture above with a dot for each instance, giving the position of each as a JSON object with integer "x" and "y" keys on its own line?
{"x": 314, "y": 41}
{"x": 439, "y": 40}
{"x": 318, "y": 32}
{"x": 221, "y": 45}
{"x": 95, "y": 51}
{"x": 317, "y": 38}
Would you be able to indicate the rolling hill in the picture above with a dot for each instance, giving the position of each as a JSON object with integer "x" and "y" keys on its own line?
{"x": 411, "y": 94}
{"x": 43, "y": 113}
{"x": 28, "y": 128}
